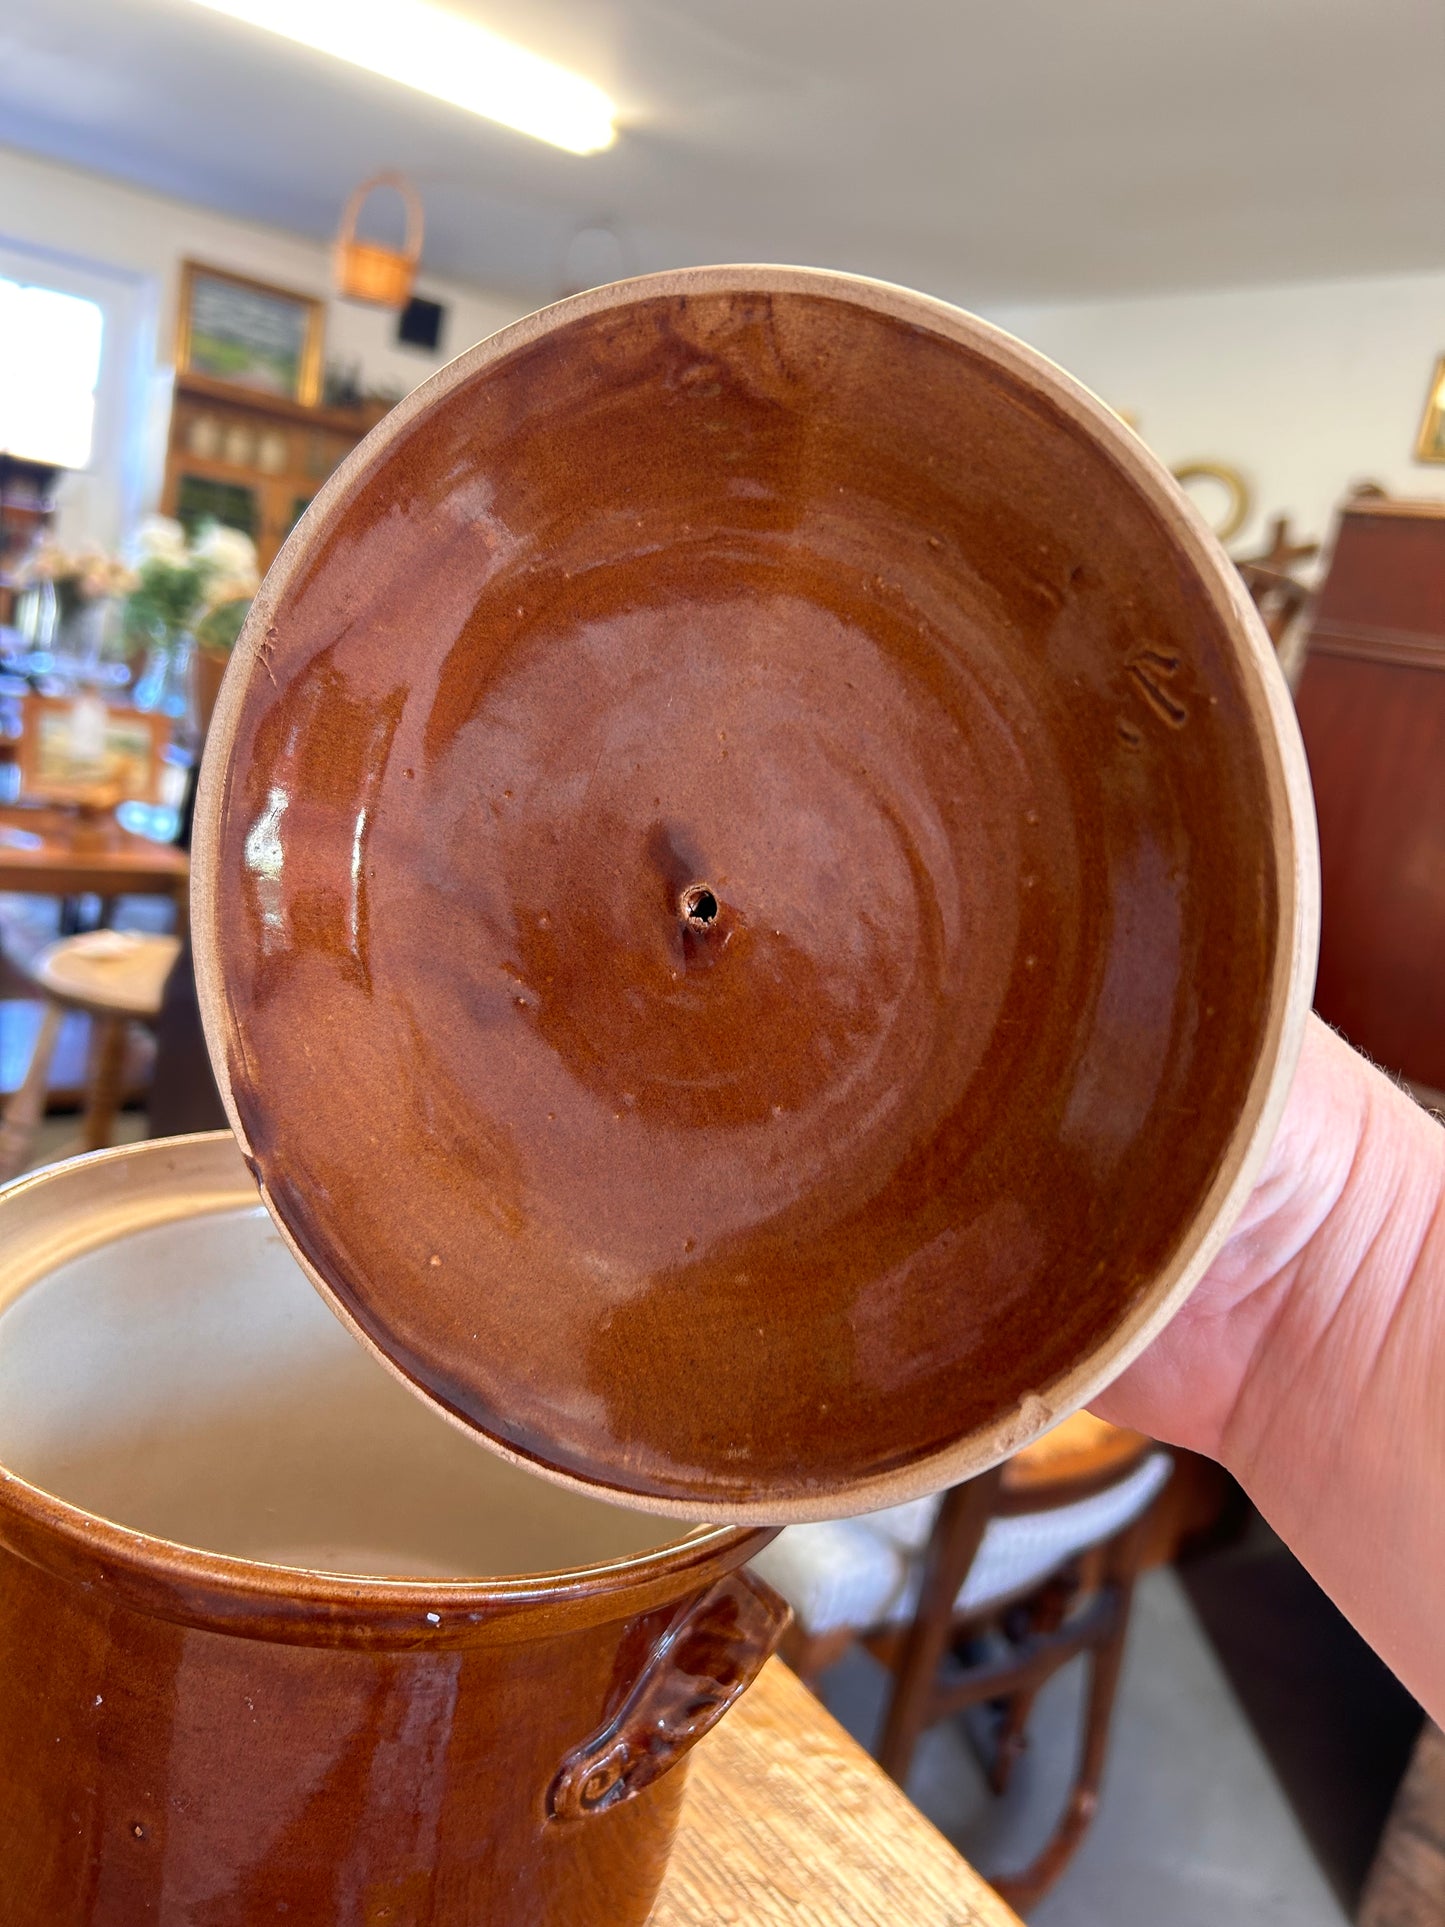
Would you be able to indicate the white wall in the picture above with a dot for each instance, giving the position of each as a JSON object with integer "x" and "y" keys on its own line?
{"x": 125, "y": 247}
{"x": 1305, "y": 388}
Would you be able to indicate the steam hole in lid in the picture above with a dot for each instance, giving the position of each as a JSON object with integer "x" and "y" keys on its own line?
{"x": 699, "y": 906}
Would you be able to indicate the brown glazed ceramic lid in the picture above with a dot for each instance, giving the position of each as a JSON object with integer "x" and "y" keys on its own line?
{"x": 755, "y": 895}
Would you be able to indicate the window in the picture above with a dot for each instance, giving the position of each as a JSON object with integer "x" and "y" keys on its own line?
{"x": 49, "y": 367}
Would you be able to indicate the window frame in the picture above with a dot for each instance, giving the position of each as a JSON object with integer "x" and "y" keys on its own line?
{"x": 102, "y": 502}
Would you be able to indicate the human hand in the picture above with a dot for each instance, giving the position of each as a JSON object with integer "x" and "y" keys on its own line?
{"x": 1310, "y": 1359}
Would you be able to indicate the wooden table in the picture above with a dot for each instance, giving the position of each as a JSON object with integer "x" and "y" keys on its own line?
{"x": 788, "y": 1823}
{"x": 41, "y": 854}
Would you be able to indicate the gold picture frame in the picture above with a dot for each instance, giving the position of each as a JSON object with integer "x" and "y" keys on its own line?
{"x": 249, "y": 335}
{"x": 119, "y": 759}
{"x": 1430, "y": 442}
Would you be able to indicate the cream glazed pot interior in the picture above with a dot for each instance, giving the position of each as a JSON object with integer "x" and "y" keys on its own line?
{"x": 185, "y": 1381}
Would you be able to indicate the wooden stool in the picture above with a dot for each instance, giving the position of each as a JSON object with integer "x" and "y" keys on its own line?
{"x": 116, "y": 978}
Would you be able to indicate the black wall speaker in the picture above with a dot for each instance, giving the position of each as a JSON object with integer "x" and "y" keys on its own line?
{"x": 420, "y": 324}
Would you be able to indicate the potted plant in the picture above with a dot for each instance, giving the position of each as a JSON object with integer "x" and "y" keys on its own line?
{"x": 190, "y": 599}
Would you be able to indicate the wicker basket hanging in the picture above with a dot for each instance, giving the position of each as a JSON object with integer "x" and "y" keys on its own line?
{"x": 366, "y": 271}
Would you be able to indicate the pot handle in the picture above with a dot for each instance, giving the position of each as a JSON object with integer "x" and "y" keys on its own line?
{"x": 711, "y": 1652}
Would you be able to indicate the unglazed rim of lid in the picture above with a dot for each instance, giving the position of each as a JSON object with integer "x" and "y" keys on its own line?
{"x": 1291, "y": 839}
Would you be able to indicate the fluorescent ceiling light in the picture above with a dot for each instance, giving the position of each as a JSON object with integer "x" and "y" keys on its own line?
{"x": 446, "y": 56}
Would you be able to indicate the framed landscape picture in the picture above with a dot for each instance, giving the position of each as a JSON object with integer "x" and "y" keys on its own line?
{"x": 1430, "y": 443}
{"x": 249, "y": 334}
{"x": 81, "y": 750}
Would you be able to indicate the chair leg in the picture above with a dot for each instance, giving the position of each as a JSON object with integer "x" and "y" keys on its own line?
{"x": 809, "y": 1654}
{"x": 1023, "y": 1889}
{"x": 26, "y": 1108}
{"x": 1012, "y": 1738}
{"x": 103, "y": 1098}
{"x": 957, "y": 1533}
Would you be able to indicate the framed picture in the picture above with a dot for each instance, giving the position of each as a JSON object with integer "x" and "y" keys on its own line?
{"x": 77, "y": 749}
{"x": 249, "y": 334}
{"x": 1430, "y": 442}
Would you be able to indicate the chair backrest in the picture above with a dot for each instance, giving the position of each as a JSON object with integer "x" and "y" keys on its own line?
{"x": 1078, "y": 1458}
{"x": 1082, "y": 1483}
{"x": 983, "y": 1541}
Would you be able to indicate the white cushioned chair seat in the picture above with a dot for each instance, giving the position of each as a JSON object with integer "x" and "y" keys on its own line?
{"x": 867, "y": 1571}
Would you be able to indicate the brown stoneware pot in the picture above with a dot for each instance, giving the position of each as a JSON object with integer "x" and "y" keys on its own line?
{"x": 203, "y": 1723}
{"x": 755, "y": 893}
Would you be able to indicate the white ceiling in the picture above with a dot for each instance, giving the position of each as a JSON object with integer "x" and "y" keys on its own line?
{"x": 988, "y": 150}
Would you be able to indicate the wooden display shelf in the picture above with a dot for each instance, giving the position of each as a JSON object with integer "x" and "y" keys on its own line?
{"x": 253, "y": 461}
{"x": 342, "y": 421}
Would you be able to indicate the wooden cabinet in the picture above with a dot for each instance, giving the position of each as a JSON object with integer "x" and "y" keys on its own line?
{"x": 26, "y": 491}
{"x": 1372, "y": 709}
{"x": 253, "y": 462}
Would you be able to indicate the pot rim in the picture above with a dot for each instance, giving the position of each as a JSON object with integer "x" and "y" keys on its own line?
{"x": 186, "y": 1584}
{"x": 1290, "y": 805}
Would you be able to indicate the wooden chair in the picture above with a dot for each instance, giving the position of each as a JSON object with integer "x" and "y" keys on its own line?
{"x": 978, "y": 1597}
{"x": 1270, "y": 578}
{"x": 117, "y": 979}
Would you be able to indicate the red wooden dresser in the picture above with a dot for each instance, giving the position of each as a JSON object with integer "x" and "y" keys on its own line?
{"x": 1372, "y": 709}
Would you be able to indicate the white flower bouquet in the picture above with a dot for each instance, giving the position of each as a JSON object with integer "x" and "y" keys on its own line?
{"x": 201, "y": 585}
{"x": 76, "y": 576}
